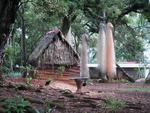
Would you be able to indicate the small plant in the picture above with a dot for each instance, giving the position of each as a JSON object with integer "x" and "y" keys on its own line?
{"x": 49, "y": 107}
{"x": 28, "y": 71}
{"x": 61, "y": 70}
{"x": 67, "y": 93}
{"x": 114, "y": 104}
{"x": 16, "y": 105}
{"x": 29, "y": 81}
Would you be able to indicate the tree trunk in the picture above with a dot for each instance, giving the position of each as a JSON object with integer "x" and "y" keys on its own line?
{"x": 8, "y": 9}
{"x": 67, "y": 20}
{"x": 65, "y": 25}
{"x": 23, "y": 38}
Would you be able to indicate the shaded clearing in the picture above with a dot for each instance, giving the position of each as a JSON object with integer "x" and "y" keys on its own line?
{"x": 60, "y": 97}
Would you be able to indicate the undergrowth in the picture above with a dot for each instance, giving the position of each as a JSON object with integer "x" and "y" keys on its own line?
{"x": 114, "y": 104}
{"x": 16, "y": 105}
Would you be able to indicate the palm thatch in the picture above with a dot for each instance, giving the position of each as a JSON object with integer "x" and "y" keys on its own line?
{"x": 53, "y": 49}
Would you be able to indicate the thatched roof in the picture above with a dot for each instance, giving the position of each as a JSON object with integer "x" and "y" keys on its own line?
{"x": 44, "y": 43}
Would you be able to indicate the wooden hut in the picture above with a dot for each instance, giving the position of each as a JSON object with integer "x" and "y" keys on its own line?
{"x": 54, "y": 56}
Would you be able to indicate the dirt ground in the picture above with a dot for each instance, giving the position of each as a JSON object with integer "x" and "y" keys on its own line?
{"x": 65, "y": 100}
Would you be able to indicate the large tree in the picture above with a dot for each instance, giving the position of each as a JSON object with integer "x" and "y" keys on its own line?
{"x": 115, "y": 11}
{"x": 119, "y": 13}
{"x": 8, "y": 9}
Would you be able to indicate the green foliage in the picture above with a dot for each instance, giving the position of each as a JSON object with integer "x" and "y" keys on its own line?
{"x": 5, "y": 69}
{"x": 127, "y": 32}
{"x": 27, "y": 68}
{"x": 28, "y": 71}
{"x": 16, "y": 105}
{"x": 114, "y": 104}
{"x": 61, "y": 69}
{"x": 11, "y": 51}
{"x": 29, "y": 81}
{"x": 125, "y": 49}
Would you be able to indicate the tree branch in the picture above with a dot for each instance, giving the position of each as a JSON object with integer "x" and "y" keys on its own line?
{"x": 133, "y": 8}
{"x": 21, "y": 3}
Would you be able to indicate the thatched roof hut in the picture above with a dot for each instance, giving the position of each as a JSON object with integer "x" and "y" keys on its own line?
{"x": 53, "y": 49}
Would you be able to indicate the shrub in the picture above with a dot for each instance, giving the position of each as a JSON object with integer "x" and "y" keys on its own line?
{"x": 16, "y": 105}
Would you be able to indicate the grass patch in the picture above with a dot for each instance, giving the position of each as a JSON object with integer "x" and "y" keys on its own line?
{"x": 138, "y": 89}
{"x": 114, "y": 104}
{"x": 121, "y": 81}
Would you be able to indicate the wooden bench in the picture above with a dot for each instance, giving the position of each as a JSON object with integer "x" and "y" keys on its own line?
{"x": 80, "y": 81}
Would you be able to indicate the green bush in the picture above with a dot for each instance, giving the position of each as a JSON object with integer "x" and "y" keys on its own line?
{"x": 16, "y": 105}
{"x": 5, "y": 70}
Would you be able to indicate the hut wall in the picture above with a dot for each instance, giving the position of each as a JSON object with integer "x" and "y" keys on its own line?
{"x": 53, "y": 72}
{"x": 58, "y": 52}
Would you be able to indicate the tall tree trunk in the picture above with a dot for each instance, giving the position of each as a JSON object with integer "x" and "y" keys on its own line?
{"x": 23, "y": 38}
{"x": 8, "y": 9}
{"x": 67, "y": 20}
{"x": 65, "y": 25}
